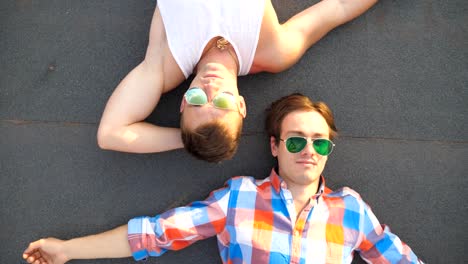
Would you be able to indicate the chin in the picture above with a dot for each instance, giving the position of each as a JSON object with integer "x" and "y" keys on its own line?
{"x": 311, "y": 177}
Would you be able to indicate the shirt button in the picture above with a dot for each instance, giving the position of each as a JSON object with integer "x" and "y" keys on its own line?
{"x": 296, "y": 251}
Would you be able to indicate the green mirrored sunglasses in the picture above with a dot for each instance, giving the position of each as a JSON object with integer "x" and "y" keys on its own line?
{"x": 223, "y": 100}
{"x": 296, "y": 144}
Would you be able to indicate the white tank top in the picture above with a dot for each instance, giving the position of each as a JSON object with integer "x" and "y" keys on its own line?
{"x": 191, "y": 24}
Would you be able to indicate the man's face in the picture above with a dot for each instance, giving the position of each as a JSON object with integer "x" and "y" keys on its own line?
{"x": 306, "y": 166}
{"x": 213, "y": 80}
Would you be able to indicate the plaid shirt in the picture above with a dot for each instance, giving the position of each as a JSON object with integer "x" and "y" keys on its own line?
{"x": 255, "y": 222}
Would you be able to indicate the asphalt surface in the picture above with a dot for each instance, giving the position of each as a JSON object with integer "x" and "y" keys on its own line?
{"x": 396, "y": 79}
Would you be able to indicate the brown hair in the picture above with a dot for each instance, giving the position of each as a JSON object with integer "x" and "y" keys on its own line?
{"x": 212, "y": 141}
{"x": 295, "y": 102}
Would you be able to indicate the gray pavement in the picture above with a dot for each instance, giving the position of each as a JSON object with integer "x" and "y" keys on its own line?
{"x": 396, "y": 78}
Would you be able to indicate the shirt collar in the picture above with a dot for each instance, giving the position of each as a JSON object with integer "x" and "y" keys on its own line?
{"x": 276, "y": 181}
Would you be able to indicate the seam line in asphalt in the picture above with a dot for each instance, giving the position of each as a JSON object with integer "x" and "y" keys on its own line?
{"x": 60, "y": 123}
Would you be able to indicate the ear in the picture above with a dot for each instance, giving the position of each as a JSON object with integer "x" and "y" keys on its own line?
{"x": 273, "y": 146}
{"x": 242, "y": 107}
{"x": 182, "y": 105}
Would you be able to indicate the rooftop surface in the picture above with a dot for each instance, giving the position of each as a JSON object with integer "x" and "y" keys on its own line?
{"x": 396, "y": 79}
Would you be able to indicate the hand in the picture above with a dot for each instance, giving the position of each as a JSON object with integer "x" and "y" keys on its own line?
{"x": 46, "y": 251}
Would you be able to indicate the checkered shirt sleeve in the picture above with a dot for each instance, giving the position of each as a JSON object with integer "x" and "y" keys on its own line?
{"x": 179, "y": 227}
{"x": 380, "y": 245}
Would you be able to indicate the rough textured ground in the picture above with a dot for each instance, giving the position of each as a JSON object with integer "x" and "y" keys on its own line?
{"x": 396, "y": 78}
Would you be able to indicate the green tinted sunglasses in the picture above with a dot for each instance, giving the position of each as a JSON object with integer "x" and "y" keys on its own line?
{"x": 223, "y": 100}
{"x": 322, "y": 146}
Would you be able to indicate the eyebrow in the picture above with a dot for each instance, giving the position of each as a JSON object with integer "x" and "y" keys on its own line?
{"x": 302, "y": 134}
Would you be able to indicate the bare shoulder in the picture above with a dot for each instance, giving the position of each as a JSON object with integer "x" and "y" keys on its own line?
{"x": 280, "y": 46}
{"x": 268, "y": 39}
{"x": 268, "y": 32}
{"x": 159, "y": 57}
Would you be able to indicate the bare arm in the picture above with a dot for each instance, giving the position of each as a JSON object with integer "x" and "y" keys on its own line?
{"x": 110, "y": 244}
{"x": 122, "y": 127}
{"x": 282, "y": 45}
{"x": 317, "y": 20}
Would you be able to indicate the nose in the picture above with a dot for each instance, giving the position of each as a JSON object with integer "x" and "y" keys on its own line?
{"x": 309, "y": 149}
{"x": 211, "y": 89}
{"x": 208, "y": 90}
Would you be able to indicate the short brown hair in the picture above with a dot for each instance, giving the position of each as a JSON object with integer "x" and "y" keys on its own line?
{"x": 212, "y": 141}
{"x": 295, "y": 102}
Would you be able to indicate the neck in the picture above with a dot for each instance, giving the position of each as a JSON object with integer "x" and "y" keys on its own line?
{"x": 302, "y": 193}
{"x": 224, "y": 55}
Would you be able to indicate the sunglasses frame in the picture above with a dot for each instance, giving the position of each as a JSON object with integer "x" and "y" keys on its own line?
{"x": 236, "y": 107}
{"x": 307, "y": 141}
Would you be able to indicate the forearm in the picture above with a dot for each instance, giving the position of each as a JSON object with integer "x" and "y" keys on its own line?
{"x": 350, "y": 9}
{"x": 310, "y": 25}
{"x": 122, "y": 125}
{"x": 139, "y": 137}
{"x": 110, "y": 244}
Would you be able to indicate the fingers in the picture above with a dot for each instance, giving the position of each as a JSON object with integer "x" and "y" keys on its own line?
{"x": 33, "y": 246}
{"x": 40, "y": 261}
{"x": 36, "y": 258}
{"x": 32, "y": 253}
{"x": 30, "y": 256}
{"x": 33, "y": 257}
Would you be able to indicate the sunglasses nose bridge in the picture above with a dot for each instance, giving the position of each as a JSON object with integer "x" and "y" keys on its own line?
{"x": 208, "y": 94}
{"x": 309, "y": 147}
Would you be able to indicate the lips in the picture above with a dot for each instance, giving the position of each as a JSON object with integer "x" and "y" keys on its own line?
{"x": 212, "y": 76}
{"x": 307, "y": 162}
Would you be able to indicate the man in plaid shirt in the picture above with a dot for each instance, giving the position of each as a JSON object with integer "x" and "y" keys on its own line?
{"x": 288, "y": 217}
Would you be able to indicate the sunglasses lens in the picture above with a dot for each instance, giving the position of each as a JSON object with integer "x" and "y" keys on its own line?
{"x": 323, "y": 146}
{"x": 295, "y": 144}
{"x": 224, "y": 101}
{"x": 196, "y": 96}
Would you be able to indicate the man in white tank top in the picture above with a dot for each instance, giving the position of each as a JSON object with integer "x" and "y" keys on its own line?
{"x": 217, "y": 40}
